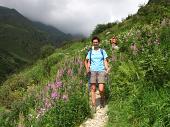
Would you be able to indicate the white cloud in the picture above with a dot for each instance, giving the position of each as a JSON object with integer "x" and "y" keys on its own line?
{"x": 75, "y": 16}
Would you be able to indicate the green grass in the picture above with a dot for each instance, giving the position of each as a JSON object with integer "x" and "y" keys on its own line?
{"x": 138, "y": 84}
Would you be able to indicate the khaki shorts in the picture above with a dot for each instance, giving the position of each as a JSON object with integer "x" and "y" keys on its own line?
{"x": 97, "y": 77}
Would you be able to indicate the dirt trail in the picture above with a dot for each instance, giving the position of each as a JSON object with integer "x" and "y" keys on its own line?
{"x": 100, "y": 117}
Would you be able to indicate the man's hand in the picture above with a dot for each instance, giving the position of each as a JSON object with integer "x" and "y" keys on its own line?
{"x": 88, "y": 72}
{"x": 107, "y": 70}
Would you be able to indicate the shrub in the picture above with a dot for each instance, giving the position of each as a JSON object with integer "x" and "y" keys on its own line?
{"x": 47, "y": 50}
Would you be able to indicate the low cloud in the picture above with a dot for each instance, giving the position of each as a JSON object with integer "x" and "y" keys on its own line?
{"x": 75, "y": 16}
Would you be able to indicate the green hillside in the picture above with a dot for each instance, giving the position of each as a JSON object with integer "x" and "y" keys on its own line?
{"x": 53, "y": 91}
{"x": 54, "y": 35}
{"x": 24, "y": 39}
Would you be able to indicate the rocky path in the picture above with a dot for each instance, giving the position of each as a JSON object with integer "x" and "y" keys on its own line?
{"x": 99, "y": 118}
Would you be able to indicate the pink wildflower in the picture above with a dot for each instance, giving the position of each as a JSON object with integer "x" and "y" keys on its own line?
{"x": 69, "y": 72}
{"x": 54, "y": 95}
{"x": 65, "y": 97}
{"x": 58, "y": 84}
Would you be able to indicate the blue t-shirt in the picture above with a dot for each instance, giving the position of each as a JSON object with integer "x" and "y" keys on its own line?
{"x": 97, "y": 63}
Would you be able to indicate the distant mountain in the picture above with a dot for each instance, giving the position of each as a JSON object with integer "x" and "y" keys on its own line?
{"x": 24, "y": 37}
{"x": 54, "y": 35}
{"x": 21, "y": 38}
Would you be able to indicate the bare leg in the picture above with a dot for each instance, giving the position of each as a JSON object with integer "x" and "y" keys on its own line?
{"x": 93, "y": 95}
{"x": 101, "y": 90}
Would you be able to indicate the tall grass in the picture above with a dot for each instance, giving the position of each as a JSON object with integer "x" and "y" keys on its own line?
{"x": 51, "y": 93}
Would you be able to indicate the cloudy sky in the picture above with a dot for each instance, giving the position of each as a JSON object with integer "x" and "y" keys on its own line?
{"x": 75, "y": 16}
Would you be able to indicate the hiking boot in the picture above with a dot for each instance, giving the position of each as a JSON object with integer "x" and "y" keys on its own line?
{"x": 102, "y": 102}
{"x": 101, "y": 106}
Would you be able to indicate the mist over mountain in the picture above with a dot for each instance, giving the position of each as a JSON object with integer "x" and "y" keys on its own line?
{"x": 22, "y": 39}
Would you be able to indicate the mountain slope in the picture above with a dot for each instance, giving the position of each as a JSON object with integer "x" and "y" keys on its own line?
{"x": 20, "y": 35}
{"x": 23, "y": 39}
{"x": 54, "y": 35}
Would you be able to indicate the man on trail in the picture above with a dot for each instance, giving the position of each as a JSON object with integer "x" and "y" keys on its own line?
{"x": 113, "y": 42}
{"x": 115, "y": 48}
{"x": 97, "y": 66}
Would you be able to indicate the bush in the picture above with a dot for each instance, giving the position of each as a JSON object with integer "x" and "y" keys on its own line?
{"x": 47, "y": 50}
{"x": 102, "y": 27}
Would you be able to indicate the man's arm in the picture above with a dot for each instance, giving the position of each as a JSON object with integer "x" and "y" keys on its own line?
{"x": 87, "y": 65}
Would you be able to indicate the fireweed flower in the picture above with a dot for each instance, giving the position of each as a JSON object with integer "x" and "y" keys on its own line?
{"x": 58, "y": 75}
{"x": 54, "y": 95}
{"x": 46, "y": 89}
{"x": 65, "y": 97}
{"x": 50, "y": 85}
{"x": 69, "y": 72}
{"x": 58, "y": 84}
{"x": 80, "y": 68}
{"x": 61, "y": 72}
{"x": 53, "y": 86}
{"x": 47, "y": 104}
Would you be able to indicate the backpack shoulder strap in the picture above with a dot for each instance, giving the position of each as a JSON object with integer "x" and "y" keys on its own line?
{"x": 101, "y": 50}
{"x": 90, "y": 54}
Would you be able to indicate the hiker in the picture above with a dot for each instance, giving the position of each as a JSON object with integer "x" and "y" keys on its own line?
{"x": 113, "y": 42}
{"x": 97, "y": 67}
{"x": 134, "y": 48}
